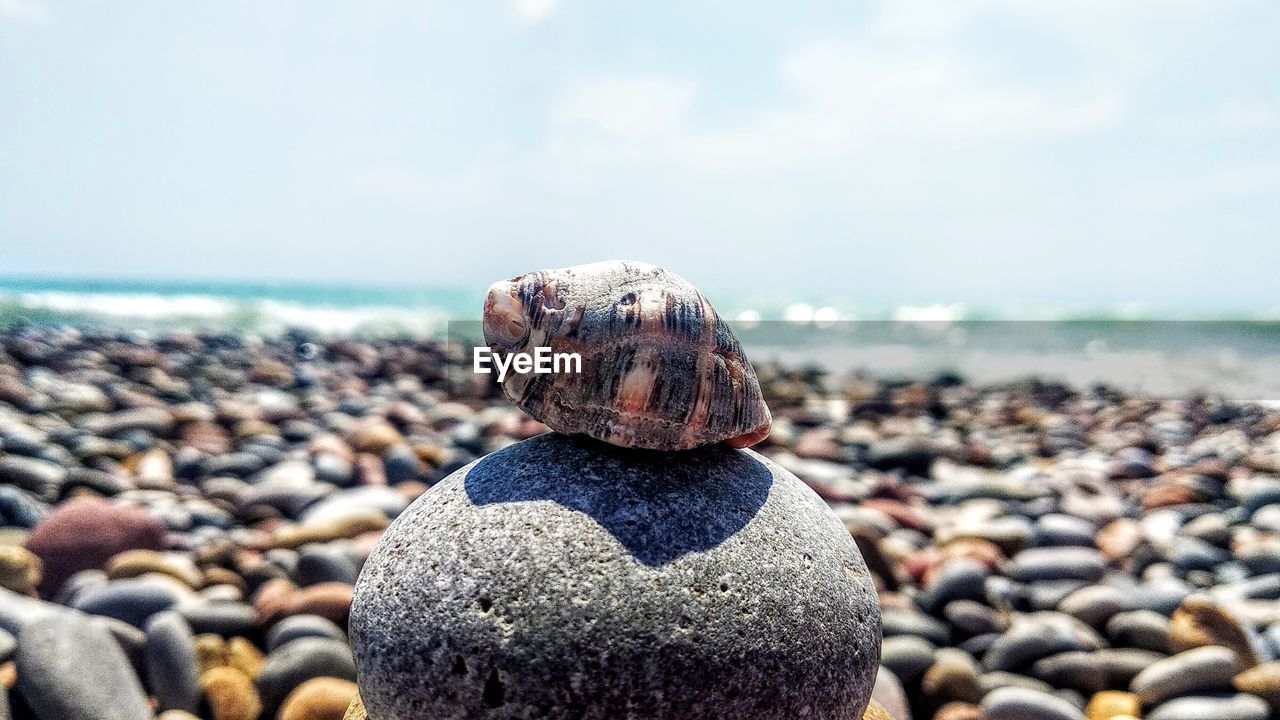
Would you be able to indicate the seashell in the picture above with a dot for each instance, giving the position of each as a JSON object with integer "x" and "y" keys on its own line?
{"x": 660, "y": 369}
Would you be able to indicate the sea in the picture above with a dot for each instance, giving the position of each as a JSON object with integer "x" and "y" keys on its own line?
{"x": 1160, "y": 353}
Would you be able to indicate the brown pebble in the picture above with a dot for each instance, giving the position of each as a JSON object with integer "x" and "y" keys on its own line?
{"x": 8, "y": 674}
{"x": 231, "y": 694}
{"x": 953, "y": 676}
{"x": 134, "y": 563}
{"x": 211, "y": 652}
{"x": 1201, "y": 621}
{"x": 245, "y": 657}
{"x": 222, "y": 576}
{"x": 1112, "y": 705}
{"x": 1119, "y": 538}
{"x": 294, "y": 536}
{"x": 19, "y": 569}
{"x": 355, "y": 711}
{"x": 331, "y": 600}
{"x": 322, "y": 698}
{"x": 958, "y": 711}
{"x": 1263, "y": 681}
{"x": 272, "y": 595}
{"x": 876, "y": 712}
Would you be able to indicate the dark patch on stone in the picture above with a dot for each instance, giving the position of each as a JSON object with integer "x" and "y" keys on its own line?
{"x": 684, "y": 511}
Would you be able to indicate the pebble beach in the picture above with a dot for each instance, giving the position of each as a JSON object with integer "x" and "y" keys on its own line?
{"x": 185, "y": 517}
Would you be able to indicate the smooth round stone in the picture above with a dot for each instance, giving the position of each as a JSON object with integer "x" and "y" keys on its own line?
{"x": 907, "y": 656}
{"x": 1036, "y": 636}
{"x": 952, "y": 676}
{"x": 133, "y": 601}
{"x": 973, "y": 618}
{"x": 1076, "y": 670}
{"x": 231, "y": 695}
{"x": 888, "y": 692}
{"x": 1056, "y": 530}
{"x": 85, "y": 533}
{"x": 322, "y": 698}
{"x": 19, "y": 569}
{"x": 1017, "y": 703}
{"x": 1240, "y": 706}
{"x": 1194, "y": 671}
{"x": 1145, "y": 629}
{"x": 299, "y": 661}
{"x": 8, "y": 644}
{"x": 1188, "y": 553}
{"x": 1163, "y": 595}
{"x": 557, "y": 559}
{"x": 355, "y": 502}
{"x": 1057, "y": 563}
{"x": 1094, "y": 605}
{"x": 326, "y": 562}
{"x": 904, "y": 622}
{"x": 1123, "y": 664}
{"x": 300, "y": 626}
{"x": 1048, "y": 594}
{"x": 72, "y": 669}
{"x": 1263, "y": 681}
{"x": 224, "y": 618}
{"x": 38, "y": 477}
{"x": 20, "y": 509}
{"x": 991, "y": 681}
{"x": 170, "y": 653}
{"x": 959, "y": 579}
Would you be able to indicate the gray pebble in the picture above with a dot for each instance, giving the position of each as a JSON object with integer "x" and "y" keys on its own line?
{"x": 1212, "y": 707}
{"x": 1018, "y": 703}
{"x": 71, "y": 669}
{"x": 171, "y": 663}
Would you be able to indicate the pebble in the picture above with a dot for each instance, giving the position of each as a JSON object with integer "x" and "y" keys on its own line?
{"x": 71, "y": 669}
{"x": 356, "y": 710}
{"x": 86, "y": 533}
{"x": 299, "y": 661}
{"x": 1057, "y": 563}
{"x": 1112, "y": 705}
{"x": 1016, "y": 703}
{"x": 907, "y": 656}
{"x": 322, "y": 698}
{"x": 19, "y": 569}
{"x": 1194, "y": 671}
{"x": 1212, "y": 707}
{"x": 133, "y": 601}
{"x": 171, "y": 669}
{"x": 1263, "y": 681}
{"x": 231, "y": 695}
{"x": 300, "y": 626}
{"x": 615, "y": 548}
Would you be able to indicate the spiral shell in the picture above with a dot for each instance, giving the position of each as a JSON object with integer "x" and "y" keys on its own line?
{"x": 660, "y": 369}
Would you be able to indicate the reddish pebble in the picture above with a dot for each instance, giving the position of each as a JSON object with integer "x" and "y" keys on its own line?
{"x": 85, "y": 533}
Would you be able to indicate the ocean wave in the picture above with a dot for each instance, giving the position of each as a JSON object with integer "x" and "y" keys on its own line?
{"x": 197, "y": 311}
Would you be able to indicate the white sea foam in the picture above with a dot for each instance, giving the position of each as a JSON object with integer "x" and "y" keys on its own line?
{"x": 258, "y": 315}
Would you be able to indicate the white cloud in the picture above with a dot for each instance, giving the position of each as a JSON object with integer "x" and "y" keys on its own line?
{"x": 630, "y": 107}
{"x": 535, "y": 10}
{"x": 28, "y": 10}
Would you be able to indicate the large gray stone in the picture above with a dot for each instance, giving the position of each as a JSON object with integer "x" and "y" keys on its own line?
{"x": 71, "y": 669}
{"x": 564, "y": 578}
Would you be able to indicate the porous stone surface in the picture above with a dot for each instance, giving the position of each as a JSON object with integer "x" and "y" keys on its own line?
{"x": 561, "y": 577}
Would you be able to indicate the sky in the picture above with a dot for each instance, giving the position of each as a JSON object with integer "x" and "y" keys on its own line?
{"x": 988, "y": 152}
